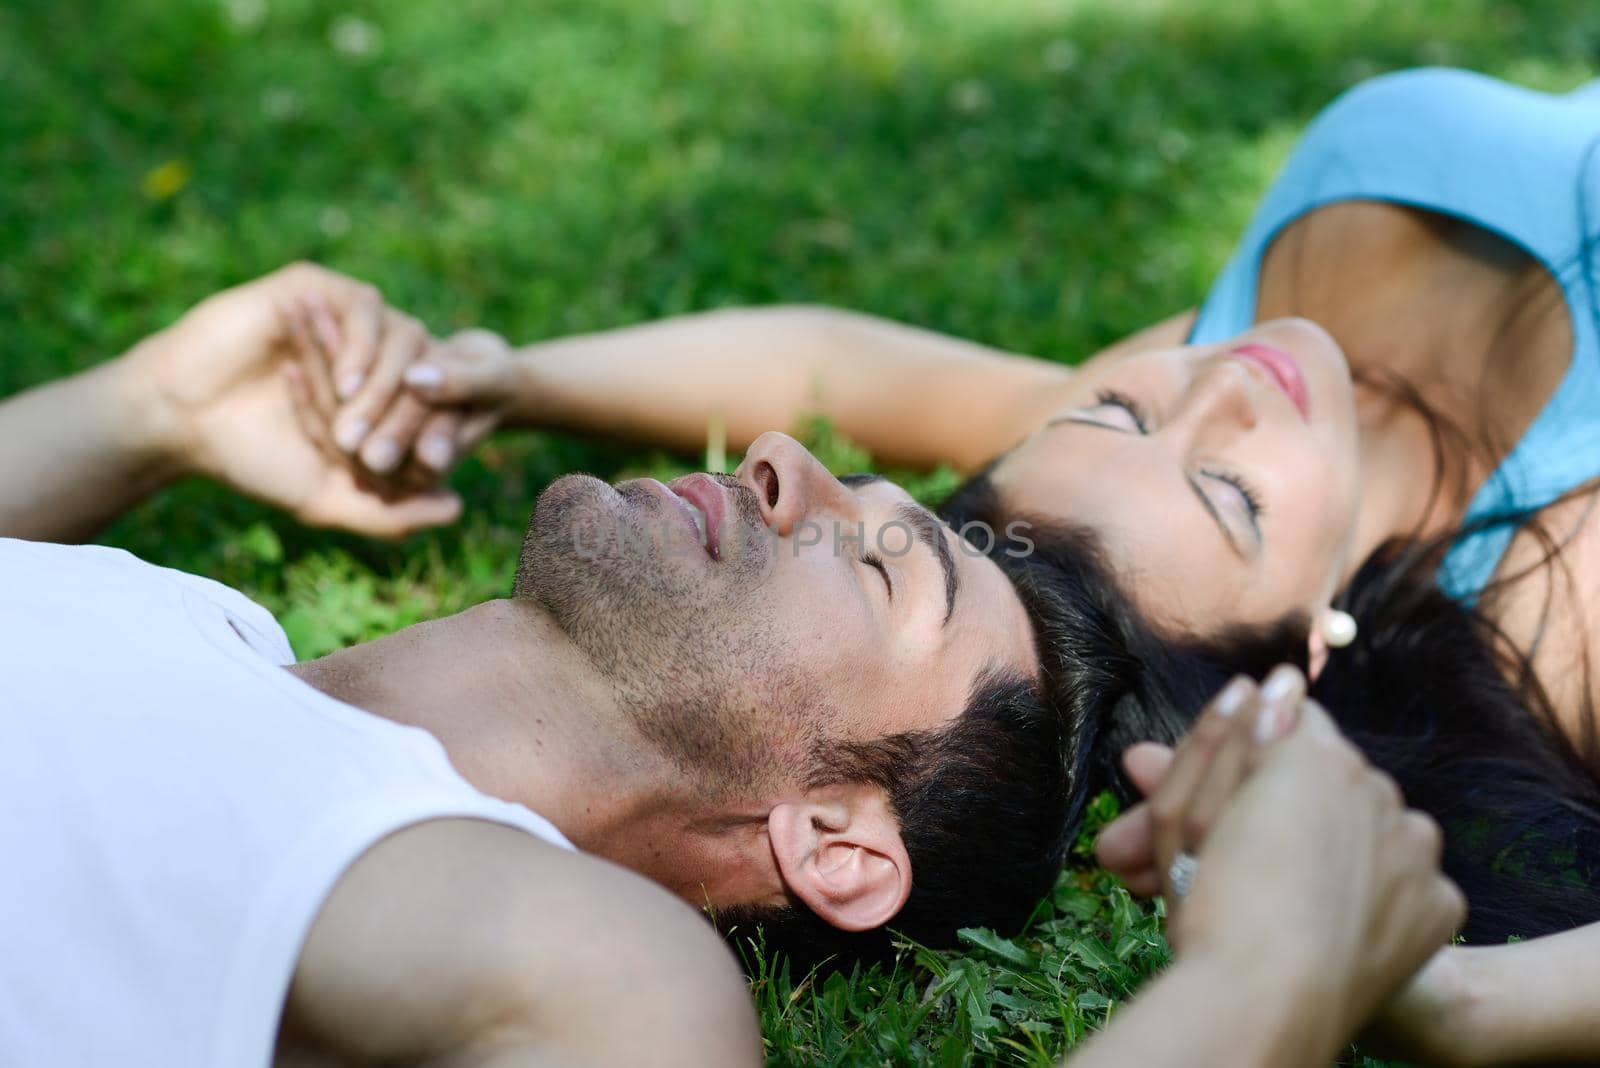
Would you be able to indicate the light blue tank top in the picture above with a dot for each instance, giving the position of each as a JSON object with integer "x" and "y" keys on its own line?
{"x": 1518, "y": 163}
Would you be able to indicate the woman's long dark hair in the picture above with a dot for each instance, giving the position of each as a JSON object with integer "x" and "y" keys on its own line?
{"x": 1425, "y": 692}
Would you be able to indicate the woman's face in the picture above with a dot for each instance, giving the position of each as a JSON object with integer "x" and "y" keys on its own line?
{"x": 1223, "y": 479}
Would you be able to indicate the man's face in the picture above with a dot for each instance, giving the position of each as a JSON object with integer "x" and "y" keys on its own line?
{"x": 746, "y": 619}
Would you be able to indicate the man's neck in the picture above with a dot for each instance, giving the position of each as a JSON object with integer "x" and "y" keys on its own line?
{"x": 525, "y": 717}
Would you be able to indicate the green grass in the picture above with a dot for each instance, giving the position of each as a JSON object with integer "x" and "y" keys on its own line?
{"x": 1043, "y": 175}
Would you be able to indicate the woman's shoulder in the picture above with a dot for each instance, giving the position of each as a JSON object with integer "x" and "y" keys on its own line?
{"x": 1440, "y": 118}
{"x": 1424, "y": 95}
{"x": 1420, "y": 84}
{"x": 1548, "y": 607}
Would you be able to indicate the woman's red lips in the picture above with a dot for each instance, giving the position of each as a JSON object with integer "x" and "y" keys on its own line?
{"x": 1283, "y": 370}
{"x": 710, "y": 496}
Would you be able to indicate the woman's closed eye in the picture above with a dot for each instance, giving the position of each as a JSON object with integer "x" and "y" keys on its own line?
{"x": 1233, "y": 503}
{"x": 1246, "y": 499}
{"x": 1250, "y": 498}
{"x": 1112, "y": 410}
{"x": 1121, "y": 406}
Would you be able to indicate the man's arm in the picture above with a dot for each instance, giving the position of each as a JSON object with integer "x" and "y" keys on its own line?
{"x": 1208, "y": 1011}
{"x": 461, "y": 941}
{"x": 210, "y": 396}
{"x": 81, "y": 451}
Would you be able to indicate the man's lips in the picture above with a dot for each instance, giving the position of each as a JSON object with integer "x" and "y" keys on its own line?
{"x": 694, "y": 520}
{"x": 703, "y": 494}
{"x": 1282, "y": 369}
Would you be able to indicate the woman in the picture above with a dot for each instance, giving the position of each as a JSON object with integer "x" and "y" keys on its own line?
{"x": 1386, "y": 413}
{"x": 1416, "y": 281}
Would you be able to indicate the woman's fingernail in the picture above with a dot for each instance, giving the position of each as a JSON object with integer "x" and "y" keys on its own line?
{"x": 381, "y": 455}
{"x": 349, "y": 383}
{"x": 1267, "y": 725}
{"x": 1280, "y": 685}
{"x": 435, "y": 452}
{"x": 350, "y": 436}
{"x": 424, "y": 376}
{"x": 1232, "y": 697}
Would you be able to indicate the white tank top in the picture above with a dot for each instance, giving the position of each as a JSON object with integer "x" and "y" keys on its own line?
{"x": 174, "y": 809}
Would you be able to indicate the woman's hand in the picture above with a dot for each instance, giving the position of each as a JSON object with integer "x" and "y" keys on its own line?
{"x": 1308, "y": 861}
{"x": 223, "y": 378}
{"x": 1139, "y": 846}
{"x": 395, "y": 400}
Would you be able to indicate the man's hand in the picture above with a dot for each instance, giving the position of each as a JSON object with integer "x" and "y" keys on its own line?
{"x": 222, "y": 382}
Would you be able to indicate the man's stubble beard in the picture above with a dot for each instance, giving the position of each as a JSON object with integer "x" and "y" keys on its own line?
{"x": 696, "y": 657}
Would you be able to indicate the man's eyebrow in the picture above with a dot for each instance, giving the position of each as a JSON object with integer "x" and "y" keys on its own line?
{"x": 1222, "y": 524}
{"x": 862, "y": 478}
{"x": 928, "y": 530}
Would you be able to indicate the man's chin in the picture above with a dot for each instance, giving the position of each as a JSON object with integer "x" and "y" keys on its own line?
{"x": 572, "y": 518}
{"x": 567, "y": 492}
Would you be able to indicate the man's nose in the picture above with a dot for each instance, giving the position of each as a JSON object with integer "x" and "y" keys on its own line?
{"x": 1223, "y": 398}
{"x": 791, "y": 484}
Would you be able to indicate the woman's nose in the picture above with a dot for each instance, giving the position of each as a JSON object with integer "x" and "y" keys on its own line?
{"x": 1223, "y": 397}
{"x": 792, "y": 485}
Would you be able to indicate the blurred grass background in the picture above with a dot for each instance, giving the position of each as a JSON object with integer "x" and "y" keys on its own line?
{"x": 1042, "y": 175}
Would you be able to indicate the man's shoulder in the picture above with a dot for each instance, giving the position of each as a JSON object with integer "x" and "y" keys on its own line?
{"x": 44, "y": 577}
{"x": 457, "y": 920}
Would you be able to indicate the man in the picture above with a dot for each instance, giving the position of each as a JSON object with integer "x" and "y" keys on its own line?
{"x": 773, "y": 693}
{"x": 776, "y": 692}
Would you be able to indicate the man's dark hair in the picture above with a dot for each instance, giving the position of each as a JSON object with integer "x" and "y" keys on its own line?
{"x": 984, "y": 805}
{"x": 988, "y": 804}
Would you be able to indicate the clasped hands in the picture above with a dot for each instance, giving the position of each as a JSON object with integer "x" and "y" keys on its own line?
{"x": 1310, "y": 869}
{"x": 294, "y": 389}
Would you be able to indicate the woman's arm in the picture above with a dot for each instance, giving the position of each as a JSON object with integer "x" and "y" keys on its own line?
{"x": 910, "y": 396}
{"x": 913, "y": 397}
{"x": 1529, "y": 1002}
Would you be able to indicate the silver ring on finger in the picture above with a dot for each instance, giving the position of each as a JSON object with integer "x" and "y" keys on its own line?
{"x": 1180, "y": 876}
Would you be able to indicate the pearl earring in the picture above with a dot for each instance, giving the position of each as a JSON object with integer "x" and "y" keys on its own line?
{"x": 1338, "y": 628}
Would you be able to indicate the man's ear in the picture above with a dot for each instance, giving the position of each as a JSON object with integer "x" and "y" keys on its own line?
{"x": 839, "y": 851}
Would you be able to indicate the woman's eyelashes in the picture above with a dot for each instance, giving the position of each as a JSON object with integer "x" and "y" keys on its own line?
{"x": 1249, "y": 499}
{"x": 1130, "y": 410}
{"x": 1111, "y": 398}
